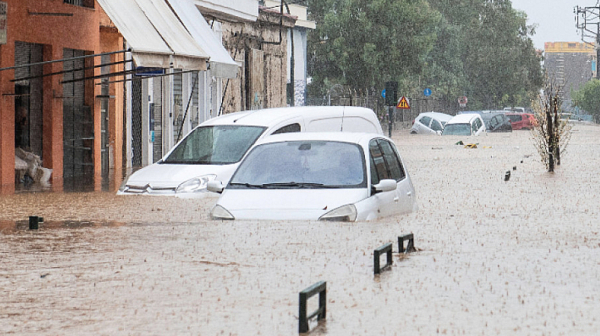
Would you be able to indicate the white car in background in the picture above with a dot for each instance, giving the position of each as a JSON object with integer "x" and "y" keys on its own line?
{"x": 317, "y": 176}
{"x": 429, "y": 123}
{"x": 465, "y": 124}
{"x": 214, "y": 148}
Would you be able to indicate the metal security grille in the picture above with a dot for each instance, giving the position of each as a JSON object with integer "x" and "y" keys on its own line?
{"x": 177, "y": 104}
{"x": 78, "y": 126}
{"x": 156, "y": 122}
{"x": 104, "y": 115}
{"x": 136, "y": 122}
{"x": 193, "y": 110}
{"x": 28, "y": 102}
{"x": 81, "y": 3}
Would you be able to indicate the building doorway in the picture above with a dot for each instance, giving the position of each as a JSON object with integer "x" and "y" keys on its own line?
{"x": 78, "y": 126}
{"x": 29, "y": 98}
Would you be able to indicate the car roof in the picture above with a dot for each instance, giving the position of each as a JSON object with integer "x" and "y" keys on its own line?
{"x": 463, "y": 118}
{"x": 271, "y": 116}
{"x": 491, "y": 114}
{"x": 437, "y": 115}
{"x": 519, "y": 113}
{"x": 319, "y": 136}
{"x": 483, "y": 112}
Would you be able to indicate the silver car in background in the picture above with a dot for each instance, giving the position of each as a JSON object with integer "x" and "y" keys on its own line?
{"x": 430, "y": 123}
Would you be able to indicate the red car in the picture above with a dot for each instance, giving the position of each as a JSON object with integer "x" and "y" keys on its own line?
{"x": 521, "y": 121}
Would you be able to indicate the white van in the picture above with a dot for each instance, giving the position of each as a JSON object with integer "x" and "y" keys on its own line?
{"x": 214, "y": 149}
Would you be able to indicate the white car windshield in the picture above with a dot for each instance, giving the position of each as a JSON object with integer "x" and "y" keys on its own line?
{"x": 302, "y": 164}
{"x": 457, "y": 129}
{"x": 224, "y": 144}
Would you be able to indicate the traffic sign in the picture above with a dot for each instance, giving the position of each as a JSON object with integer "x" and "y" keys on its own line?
{"x": 383, "y": 93}
{"x": 462, "y": 101}
{"x": 427, "y": 92}
{"x": 403, "y": 103}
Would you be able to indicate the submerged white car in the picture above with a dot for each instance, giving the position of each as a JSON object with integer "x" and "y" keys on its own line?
{"x": 317, "y": 176}
{"x": 430, "y": 123}
{"x": 465, "y": 124}
{"x": 214, "y": 149}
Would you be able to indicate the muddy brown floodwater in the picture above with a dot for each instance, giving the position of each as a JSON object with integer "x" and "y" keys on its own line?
{"x": 495, "y": 258}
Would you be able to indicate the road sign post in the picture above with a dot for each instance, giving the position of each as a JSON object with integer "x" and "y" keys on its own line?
{"x": 390, "y": 120}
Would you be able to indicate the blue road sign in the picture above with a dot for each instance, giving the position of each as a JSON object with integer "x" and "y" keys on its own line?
{"x": 383, "y": 93}
{"x": 427, "y": 92}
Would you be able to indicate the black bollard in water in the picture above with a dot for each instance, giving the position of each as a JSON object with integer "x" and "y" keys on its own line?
{"x": 33, "y": 222}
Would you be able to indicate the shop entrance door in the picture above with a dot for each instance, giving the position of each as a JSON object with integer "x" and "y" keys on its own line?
{"x": 78, "y": 127}
{"x": 28, "y": 100}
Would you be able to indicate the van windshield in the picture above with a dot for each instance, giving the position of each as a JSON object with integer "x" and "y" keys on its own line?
{"x": 222, "y": 144}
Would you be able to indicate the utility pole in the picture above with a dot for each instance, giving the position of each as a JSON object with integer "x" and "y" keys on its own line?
{"x": 585, "y": 18}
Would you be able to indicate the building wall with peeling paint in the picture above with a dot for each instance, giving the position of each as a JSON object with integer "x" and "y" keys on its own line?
{"x": 261, "y": 49}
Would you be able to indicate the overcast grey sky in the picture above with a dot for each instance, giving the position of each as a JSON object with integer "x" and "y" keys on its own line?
{"x": 555, "y": 19}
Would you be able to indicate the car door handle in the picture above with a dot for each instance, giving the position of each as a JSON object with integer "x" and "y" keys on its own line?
{"x": 396, "y": 199}
{"x": 409, "y": 193}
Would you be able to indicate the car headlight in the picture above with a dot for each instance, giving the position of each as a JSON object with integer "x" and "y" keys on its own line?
{"x": 218, "y": 212}
{"x": 196, "y": 184}
{"x": 345, "y": 213}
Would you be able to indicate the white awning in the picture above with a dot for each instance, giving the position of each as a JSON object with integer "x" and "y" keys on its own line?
{"x": 188, "y": 54}
{"x": 221, "y": 63}
{"x": 143, "y": 39}
{"x": 155, "y": 35}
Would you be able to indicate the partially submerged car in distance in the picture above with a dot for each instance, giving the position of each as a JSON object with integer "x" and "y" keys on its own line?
{"x": 429, "y": 123}
{"x": 214, "y": 148}
{"x": 515, "y": 109}
{"x": 465, "y": 124}
{"x": 496, "y": 122}
{"x": 522, "y": 121}
{"x": 317, "y": 176}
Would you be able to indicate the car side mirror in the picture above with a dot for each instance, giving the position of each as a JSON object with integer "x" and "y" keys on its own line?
{"x": 438, "y": 132}
{"x": 215, "y": 186}
{"x": 384, "y": 185}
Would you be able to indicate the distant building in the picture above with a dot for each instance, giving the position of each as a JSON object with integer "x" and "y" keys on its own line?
{"x": 571, "y": 64}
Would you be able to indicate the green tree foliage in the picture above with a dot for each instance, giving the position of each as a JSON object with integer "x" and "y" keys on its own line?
{"x": 500, "y": 62}
{"x": 478, "y": 48}
{"x": 363, "y": 43}
{"x": 588, "y": 98}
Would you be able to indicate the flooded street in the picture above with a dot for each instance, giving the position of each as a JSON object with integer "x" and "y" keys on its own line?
{"x": 495, "y": 257}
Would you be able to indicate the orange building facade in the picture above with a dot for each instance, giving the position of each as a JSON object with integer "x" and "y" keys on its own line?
{"x": 55, "y": 102}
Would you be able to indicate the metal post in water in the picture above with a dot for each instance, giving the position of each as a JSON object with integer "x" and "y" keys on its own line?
{"x": 33, "y": 222}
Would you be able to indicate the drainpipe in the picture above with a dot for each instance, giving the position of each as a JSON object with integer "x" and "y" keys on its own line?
{"x": 292, "y": 62}
{"x": 280, "y": 26}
